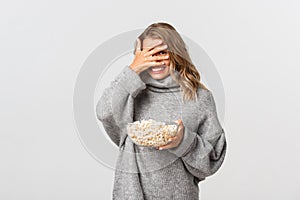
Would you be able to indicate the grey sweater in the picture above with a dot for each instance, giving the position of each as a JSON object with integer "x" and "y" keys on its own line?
{"x": 146, "y": 173}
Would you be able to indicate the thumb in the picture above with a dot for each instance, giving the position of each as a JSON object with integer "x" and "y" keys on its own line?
{"x": 178, "y": 121}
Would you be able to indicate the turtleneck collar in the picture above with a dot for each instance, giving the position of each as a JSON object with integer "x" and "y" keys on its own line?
{"x": 167, "y": 84}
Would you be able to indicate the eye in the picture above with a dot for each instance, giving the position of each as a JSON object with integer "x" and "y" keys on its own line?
{"x": 162, "y": 52}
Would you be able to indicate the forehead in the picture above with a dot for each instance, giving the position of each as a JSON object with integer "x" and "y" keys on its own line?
{"x": 148, "y": 42}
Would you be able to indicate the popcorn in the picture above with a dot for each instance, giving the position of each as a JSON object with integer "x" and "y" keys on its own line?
{"x": 151, "y": 133}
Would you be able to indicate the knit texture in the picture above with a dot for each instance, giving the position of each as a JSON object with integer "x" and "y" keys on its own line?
{"x": 146, "y": 173}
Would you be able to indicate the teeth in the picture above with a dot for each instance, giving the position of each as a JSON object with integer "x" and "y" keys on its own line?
{"x": 157, "y": 69}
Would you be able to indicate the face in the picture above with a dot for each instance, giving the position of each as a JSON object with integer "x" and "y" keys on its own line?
{"x": 157, "y": 72}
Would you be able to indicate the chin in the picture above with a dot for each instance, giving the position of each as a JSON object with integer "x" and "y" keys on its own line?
{"x": 158, "y": 77}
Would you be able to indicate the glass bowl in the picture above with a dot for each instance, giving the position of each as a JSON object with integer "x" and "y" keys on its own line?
{"x": 151, "y": 133}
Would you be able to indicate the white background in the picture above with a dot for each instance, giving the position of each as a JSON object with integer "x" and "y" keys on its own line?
{"x": 254, "y": 44}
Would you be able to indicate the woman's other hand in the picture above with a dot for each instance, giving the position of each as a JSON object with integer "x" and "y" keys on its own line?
{"x": 147, "y": 57}
{"x": 176, "y": 140}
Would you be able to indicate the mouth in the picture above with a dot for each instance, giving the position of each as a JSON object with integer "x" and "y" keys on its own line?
{"x": 157, "y": 69}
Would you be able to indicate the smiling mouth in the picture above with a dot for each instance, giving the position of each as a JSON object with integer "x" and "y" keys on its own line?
{"x": 158, "y": 69}
{"x": 155, "y": 69}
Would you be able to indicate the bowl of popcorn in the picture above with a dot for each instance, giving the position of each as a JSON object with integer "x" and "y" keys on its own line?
{"x": 151, "y": 133}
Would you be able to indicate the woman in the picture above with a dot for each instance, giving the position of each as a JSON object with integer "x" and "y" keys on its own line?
{"x": 162, "y": 83}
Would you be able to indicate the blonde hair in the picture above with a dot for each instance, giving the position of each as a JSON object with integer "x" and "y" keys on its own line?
{"x": 180, "y": 61}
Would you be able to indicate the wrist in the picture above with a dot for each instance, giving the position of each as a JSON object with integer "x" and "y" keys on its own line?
{"x": 134, "y": 69}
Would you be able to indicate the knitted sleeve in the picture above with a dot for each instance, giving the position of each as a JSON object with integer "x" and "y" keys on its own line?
{"x": 115, "y": 107}
{"x": 203, "y": 152}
